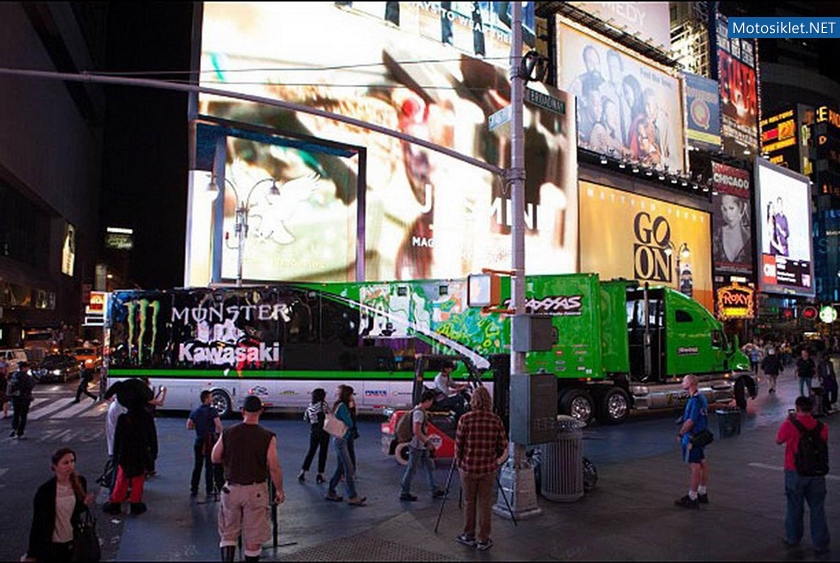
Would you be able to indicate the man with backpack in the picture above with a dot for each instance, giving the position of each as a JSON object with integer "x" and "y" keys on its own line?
{"x": 19, "y": 390}
{"x": 420, "y": 448}
{"x": 806, "y": 464}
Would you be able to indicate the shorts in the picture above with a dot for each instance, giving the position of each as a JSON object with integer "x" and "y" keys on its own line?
{"x": 244, "y": 509}
{"x": 692, "y": 455}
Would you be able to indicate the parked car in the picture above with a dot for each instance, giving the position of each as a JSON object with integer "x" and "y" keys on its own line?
{"x": 88, "y": 358}
{"x": 13, "y": 357}
{"x": 57, "y": 367}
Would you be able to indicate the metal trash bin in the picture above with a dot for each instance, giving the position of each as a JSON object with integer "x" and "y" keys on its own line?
{"x": 729, "y": 421}
{"x": 561, "y": 466}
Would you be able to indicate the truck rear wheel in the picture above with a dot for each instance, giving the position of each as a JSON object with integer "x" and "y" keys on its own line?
{"x": 613, "y": 407}
{"x": 221, "y": 402}
{"x": 577, "y": 404}
{"x": 401, "y": 453}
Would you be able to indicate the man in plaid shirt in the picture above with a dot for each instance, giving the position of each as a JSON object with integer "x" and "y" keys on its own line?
{"x": 480, "y": 444}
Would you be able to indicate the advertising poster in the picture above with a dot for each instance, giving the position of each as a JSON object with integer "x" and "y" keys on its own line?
{"x": 783, "y": 201}
{"x": 738, "y": 91}
{"x": 625, "y": 235}
{"x": 702, "y": 102}
{"x": 426, "y": 214}
{"x": 732, "y": 247}
{"x": 651, "y": 21}
{"x": 779, "y": 139}
{"x": 626, "y": 108}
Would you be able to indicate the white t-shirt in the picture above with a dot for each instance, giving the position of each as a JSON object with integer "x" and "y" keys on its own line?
{"x": 444, "y": 384}
{"x": 115, "y": 409}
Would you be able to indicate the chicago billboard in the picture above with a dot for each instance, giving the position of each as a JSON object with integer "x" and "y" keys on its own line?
{"x": 783, "y": 206}
{"x": 626, "y": 107}
{"x": 637, "y": 237}
{"x": 419, "y": 213}
{"x": 732, "y": 248}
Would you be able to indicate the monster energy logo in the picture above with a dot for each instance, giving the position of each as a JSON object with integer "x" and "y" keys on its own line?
{"x": 198, "y": 353}
{"x": 140, "y": 309}
{"x": 219, "y": 313}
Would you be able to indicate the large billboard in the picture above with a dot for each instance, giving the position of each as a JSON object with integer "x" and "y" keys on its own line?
{"x": 626, "y": 235}
{"x": 732, "y": 248}
{"x": 738, "y": 91}
{"x": 424, "y": 214}
{"x": 626, "y": 108}
{"x": 702, "y": 102}
{"x": 783, "y": 209}
{"x": 650, "y": 21}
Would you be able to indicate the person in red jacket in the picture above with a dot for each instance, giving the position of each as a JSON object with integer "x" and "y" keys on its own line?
{"x": 800, "y": 489}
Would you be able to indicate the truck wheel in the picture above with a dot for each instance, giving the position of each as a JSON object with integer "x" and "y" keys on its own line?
{"x": 221, "y": 402}
{"x": 614, "y": 407}
{"x": 577, "y": 404}
{"x": 401, "y": 453}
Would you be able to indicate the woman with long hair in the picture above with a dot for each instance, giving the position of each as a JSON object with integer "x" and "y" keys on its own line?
{"x": 319, "y": 439}
{"x": 345, "y": 466}
{"x": 58, "y": 505}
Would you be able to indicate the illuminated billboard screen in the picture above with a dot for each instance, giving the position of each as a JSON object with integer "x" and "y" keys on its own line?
{"x": 425, "y": 214}
{"x": 626, "y": 235}
{"x": 650, "y": 21}
{"x": 732, "y": 247}
{"x": 783, "y": 208}
{"x": 738, "y": 91}
{"x": 702, "y": 100}
{"x": 625, "y": 107}
{"x": 779, "y": 139}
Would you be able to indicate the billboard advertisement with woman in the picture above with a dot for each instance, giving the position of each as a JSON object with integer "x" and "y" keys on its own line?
{"x": 626, "y": 108}
{"x": 783, "y": 207}
{"x": 732, "y": 248}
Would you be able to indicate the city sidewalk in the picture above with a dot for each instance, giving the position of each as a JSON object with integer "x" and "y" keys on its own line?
{"x": 630, "y": 515}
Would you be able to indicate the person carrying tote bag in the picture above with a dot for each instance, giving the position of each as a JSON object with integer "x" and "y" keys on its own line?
{"x": 345, "y": 467}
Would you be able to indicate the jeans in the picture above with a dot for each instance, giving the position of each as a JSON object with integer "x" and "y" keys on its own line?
{"x": 804, "y": 386}
{"x": 211, "y": 472}
{"x": 798, "y": 491}
{"x": 21, "y": 412}
{"x": 418, "y": 458}
{"x": 344, "y": 467}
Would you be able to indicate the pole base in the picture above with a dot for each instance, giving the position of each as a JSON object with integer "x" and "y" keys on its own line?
{"x": 520, "y": 493}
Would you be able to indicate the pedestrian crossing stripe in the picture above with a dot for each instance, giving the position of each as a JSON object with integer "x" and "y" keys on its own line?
{"x": 63, "y": 408}
{"x": 73, "y": 410}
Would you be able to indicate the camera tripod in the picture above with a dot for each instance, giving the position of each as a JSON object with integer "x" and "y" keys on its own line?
{"x": 446, "y": 494}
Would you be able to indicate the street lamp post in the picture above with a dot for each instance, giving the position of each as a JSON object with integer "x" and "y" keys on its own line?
{"x": 243, "y": 209}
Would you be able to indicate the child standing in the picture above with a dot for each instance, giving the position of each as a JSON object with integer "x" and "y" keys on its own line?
{"x": 318, "y": 438}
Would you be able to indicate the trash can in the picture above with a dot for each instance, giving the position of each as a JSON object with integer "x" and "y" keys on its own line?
{"x": 561, "y": 464}
{"x": 729, "y": 421}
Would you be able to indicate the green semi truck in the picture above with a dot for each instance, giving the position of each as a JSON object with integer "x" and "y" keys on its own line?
{"x": 614, "y": 345}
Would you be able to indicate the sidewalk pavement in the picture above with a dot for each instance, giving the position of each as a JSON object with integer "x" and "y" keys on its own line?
{"x": 630, "y": 515}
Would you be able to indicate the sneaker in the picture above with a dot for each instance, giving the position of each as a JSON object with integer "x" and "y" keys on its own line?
{"x": 687, "y": 502}
{"x": 408, "y": 497}
{"x": 138, "y": 508}
{"x": 13, "y": 433}
{"x": 703, "y": 499}
{"x": 440, "y": 493}
{"x": 319, "y": 479}
{"x": 484, "y": 545}
{"x": 302, "y": 477}
{"x": 357, "y": 501}
{"x": 74, "y": 402}
{"x": 466, "y": 540}
{"x": 20, "y": 436}
{"x": 333, "y": 497}
{"x": 193, "y": 493}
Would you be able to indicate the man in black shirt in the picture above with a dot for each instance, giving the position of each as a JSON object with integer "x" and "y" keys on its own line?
{"x": 20, "y": 386}
{"x": 249, "y": 455}
{"x": 805, "y": 370}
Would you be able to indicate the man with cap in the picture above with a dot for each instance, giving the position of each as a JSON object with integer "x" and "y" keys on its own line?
{"x": 248, "y": 453}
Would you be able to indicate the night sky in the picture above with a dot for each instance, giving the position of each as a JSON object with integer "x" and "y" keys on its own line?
{"x": 146, "y": 137}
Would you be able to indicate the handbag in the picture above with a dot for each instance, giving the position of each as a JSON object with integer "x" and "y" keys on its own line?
{"x": 702, "y": 439}
{"x": 334, "y": 426}
{"x": 85, "y": 540}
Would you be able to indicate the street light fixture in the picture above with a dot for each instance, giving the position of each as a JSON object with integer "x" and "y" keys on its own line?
{"x": 243, "y": 209}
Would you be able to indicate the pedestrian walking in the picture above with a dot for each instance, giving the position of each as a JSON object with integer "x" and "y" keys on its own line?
{"x": 828, "y": 379}
{"x": 805, "y": 370}
{"x": 420, "y": 449}
{"x": 319, "y": 439}
{"x": 345, "y": 466}
{"x": 248, "y": 453}
{"x": 694, "y": 420}
{"x": 755, "y": 357}
{"x": 4, "y": 381}
{"x": 772, "y": 367}
{"x": 800, "y": 488}
{"x": 480, "y": 446}
{"x": 57, "y": 507}
{"x": 84, "y": 381}
{"x": 19, "y": 389}
{"x": 133, "y": 436}
{"x": 204, "y": 419}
